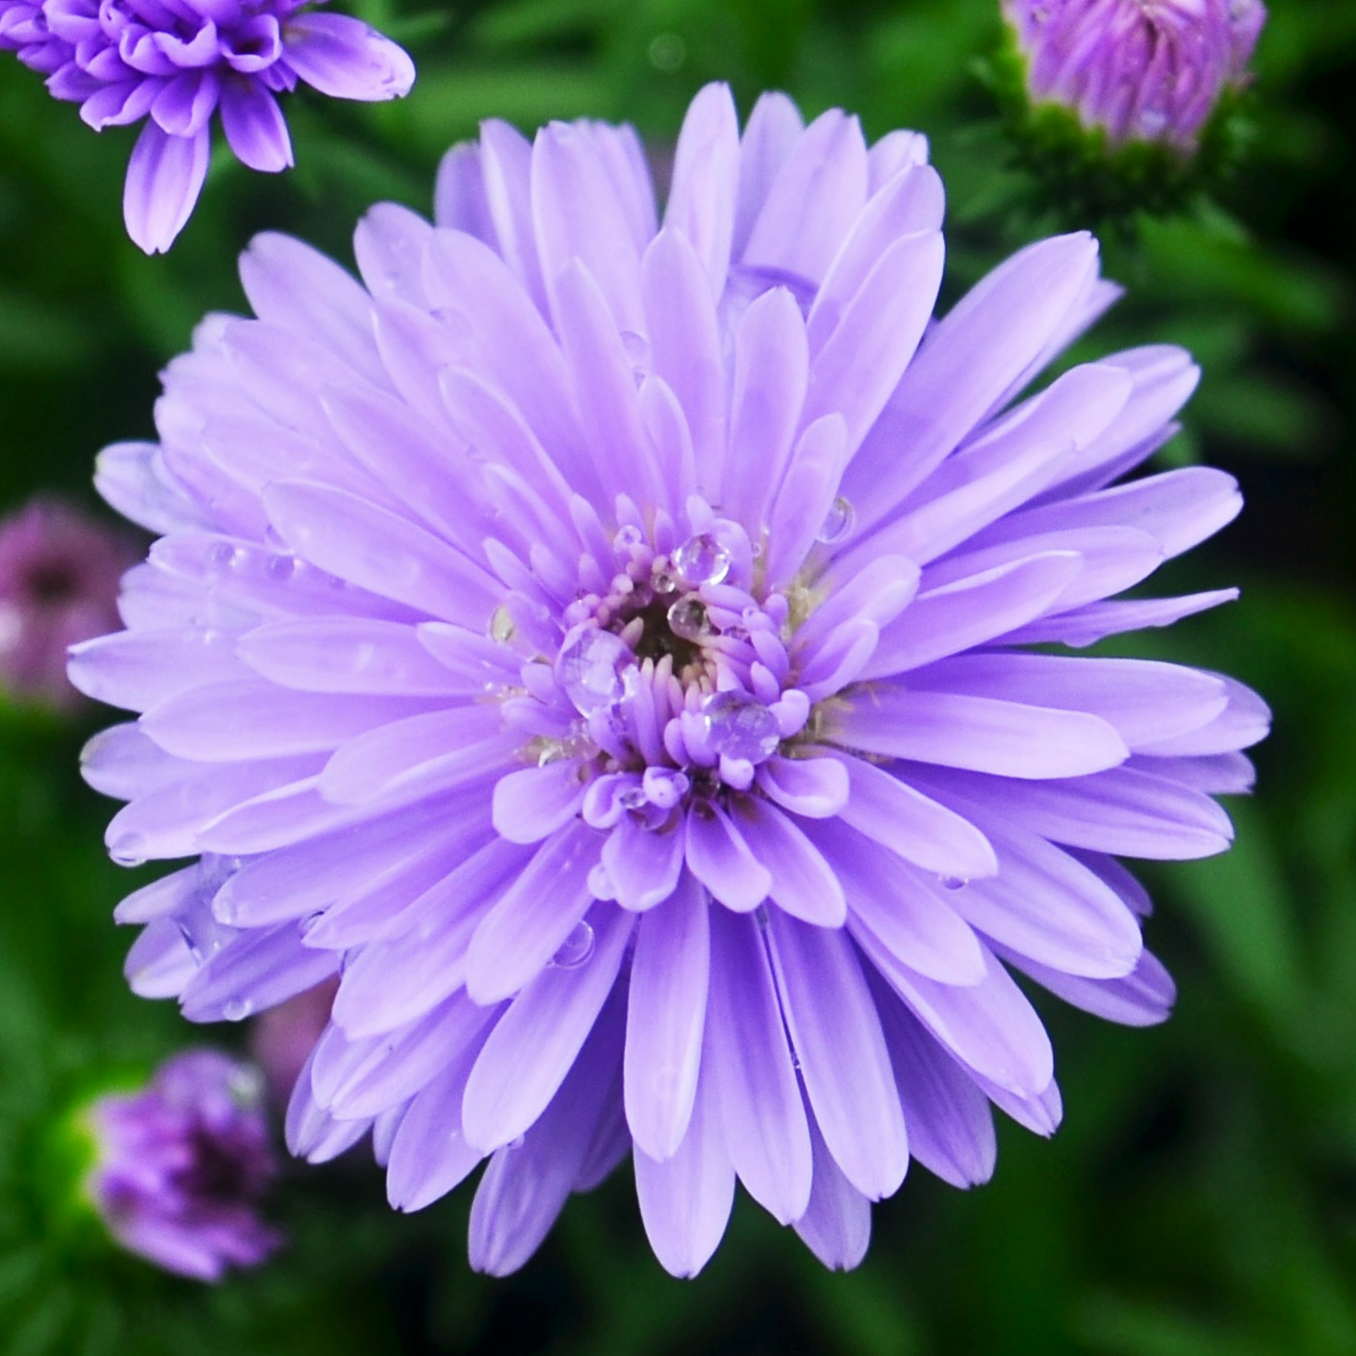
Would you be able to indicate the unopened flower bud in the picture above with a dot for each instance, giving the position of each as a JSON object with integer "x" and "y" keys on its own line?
{"x": 179, "y": 1167}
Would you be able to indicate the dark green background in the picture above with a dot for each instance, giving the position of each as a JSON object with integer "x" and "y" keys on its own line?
{"x": 1200, "y": 1199}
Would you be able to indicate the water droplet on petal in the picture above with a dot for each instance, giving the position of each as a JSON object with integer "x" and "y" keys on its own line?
{"x": 838, "y": 522}
{"x": 636, "y": 347}
{"x": 456, "y": 326}
{"x": 280, "y": 568}
{"x": 664, "y": 1083}
{"x": 741, "y": 726}
{"x": 633, "y": 798}
{"x": 310, "y": 922}
{"x": 596, "y": 669}
{"x": 701, "y": 560}
{"x": 237, "y": 1009}
{"x": 688, "y": 620}
{"x": 627, "y": 537}
{"x": 558, "y": 750}
{"x": 1152, "y": 121}
{"x": 516, "y": 1143}
{"x": 199, "y": 935}
{"x": 952, "y": 882}
{"x": 576, "y": 948}
{"x": 222, "y": 554}
{"x": 130, "y": 849}
{"x": 501, "y": 625}
{"x": 663, "y": 582}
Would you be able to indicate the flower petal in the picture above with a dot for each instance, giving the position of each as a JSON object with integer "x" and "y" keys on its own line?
{"x": 985, "y": 734}
{"x": 346, "y": 58}
{"x": 841, "y": 1053}
{"x": 530, "y": 922}
{"x": 164, "y": 177}
{"x": 754, "y": 1079}
{"x": 254, "y": 126}
{"x": 685, "y": 1200}
{"x": 665, "y": 1020}
{"x": 536, "y": 1041}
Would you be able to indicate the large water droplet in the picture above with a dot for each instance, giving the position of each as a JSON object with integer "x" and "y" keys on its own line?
{"x": 701, "y": 560}
{"x": 129, "y": 849}
{"x": 637, "y": 349}
{"x": 596, "y": 669}
{"x": 838, "y": 522}
{"x": 575, "y": 949}
{"x": 688, "y": 620}
{"x": 501, "y": 625}
{"x": 741, "y": 726}
{"x": 237, "y": 1009}
{"x": 203, "y": 933}
{"x": 280, "y": 568}
{"x": 552, "y": 751}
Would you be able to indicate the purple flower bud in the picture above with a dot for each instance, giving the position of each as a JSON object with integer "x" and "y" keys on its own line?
{"x": 59, "y": 572}
{"x": 177, "y": 63}
{"x": 1143, "y": 70}
{"x": 182, "y": 1164}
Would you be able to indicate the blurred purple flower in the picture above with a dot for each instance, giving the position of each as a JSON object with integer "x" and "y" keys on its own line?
{"x": 607, "y": 647}
{"x": 59, "y": 573}
{"x": 282, "y": 1038}
{"x": 177, "y": 62}
{"x": 1144, "y": 70}
{"x": 182, "y": 1165}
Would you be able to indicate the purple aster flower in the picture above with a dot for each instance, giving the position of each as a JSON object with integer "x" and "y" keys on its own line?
{"x": 59, "y": 572}
{"x": 176, "y": 63}
{"x": 181, "y": 1166}
{"x": 632, "y": 655}
{"x": 1142, "y": 70}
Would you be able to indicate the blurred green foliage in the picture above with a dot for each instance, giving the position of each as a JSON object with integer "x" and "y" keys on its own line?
{"x": 1200, "y": 1199}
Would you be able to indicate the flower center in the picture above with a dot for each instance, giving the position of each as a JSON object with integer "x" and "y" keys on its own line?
{"x": 52, "y": 582}
{"x": 672, "y": 681}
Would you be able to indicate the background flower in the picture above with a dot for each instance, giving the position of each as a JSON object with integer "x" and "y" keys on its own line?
{"x": 1141, "y": 70}
{"x": 607, "y": 647}
{"x": 179, "y": 62}
{"x": 281, "y": 1039}
{"x": 182, "y": 1165}
{"x": 59, "y": 573}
